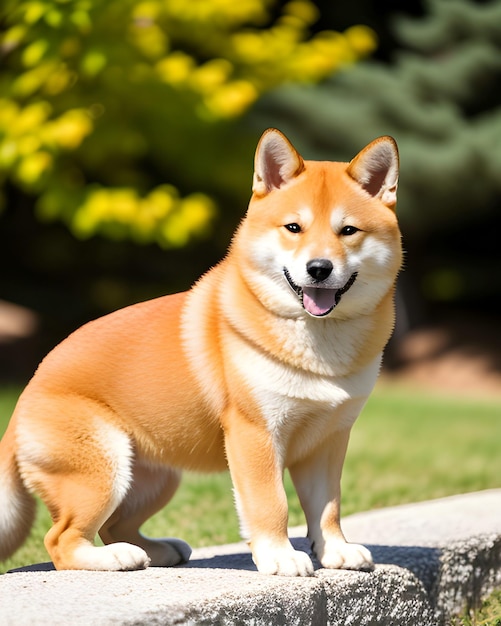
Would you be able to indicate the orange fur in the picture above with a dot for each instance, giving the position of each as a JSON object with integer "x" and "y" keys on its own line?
{"x": 239, "y": 371}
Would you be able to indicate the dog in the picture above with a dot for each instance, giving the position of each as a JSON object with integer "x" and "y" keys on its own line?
{"x": 264, "y": 364}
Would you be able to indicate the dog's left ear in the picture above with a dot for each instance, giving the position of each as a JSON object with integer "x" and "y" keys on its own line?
{"x": 276, "y": 162}
{"x": 375, "y": 168}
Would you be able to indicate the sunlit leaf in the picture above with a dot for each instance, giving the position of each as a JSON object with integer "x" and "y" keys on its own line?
{"x": 107, "y": 101}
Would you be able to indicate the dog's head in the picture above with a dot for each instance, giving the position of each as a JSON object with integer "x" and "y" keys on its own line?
{"x": 321, "y": 238}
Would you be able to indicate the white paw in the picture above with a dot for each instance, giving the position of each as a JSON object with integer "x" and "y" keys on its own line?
{"x": 284, "y": 561}
{"x": 113, "y": 557}
{"x": 341, "y": 555}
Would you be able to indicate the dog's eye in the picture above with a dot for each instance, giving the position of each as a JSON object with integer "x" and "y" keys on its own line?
{"x": 349, "y": 230}
{"x": 293, "y": 228}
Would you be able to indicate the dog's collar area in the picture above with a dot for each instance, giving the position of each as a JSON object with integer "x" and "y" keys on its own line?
{"x": 319, "y": 310}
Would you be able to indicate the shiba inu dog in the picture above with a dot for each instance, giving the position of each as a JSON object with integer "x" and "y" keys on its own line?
{"x": 263, "y": 365}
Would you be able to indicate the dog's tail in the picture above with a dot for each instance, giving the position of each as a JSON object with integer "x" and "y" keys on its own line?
{"x": 17, "y": 506}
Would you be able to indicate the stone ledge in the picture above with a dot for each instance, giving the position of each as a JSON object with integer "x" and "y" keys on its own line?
{"x": 433, "y": 559}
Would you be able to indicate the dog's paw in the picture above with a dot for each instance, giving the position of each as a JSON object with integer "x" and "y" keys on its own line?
{"x": 167, "y": 552}
{"x": 341, "y": 555}
{"x": 113, "y": 557}
{"x": 283, "y": 561}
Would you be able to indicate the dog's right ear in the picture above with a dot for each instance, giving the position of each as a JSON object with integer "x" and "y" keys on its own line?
{"x": 276, "y": 162}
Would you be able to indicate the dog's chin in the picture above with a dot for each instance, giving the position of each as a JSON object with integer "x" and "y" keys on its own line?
{"x": 318, "y": 301}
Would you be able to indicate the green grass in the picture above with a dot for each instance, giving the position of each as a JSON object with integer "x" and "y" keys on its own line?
{"x": 489, "y": 613}
{"x": 407, "y": 446}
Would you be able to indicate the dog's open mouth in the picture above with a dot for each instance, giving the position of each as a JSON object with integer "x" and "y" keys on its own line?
{"x": 318, "y": 301}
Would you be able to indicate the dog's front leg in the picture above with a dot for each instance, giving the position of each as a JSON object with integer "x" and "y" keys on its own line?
{"x": 261, "y": 501}
{"x": 318, "y": 484}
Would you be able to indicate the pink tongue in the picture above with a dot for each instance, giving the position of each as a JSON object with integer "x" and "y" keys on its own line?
{"x": 318, "y": 301}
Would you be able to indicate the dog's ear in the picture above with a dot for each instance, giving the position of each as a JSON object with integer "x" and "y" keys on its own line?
{"x": 375, "y": 168}
{"x": 276, "y": 162}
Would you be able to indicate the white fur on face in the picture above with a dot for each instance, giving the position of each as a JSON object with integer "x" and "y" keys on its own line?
{"x": 371, "y": 261}
{"x": 266, "y": 275}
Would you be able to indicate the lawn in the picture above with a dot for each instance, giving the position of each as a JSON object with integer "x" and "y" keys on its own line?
{"x": 406, "y": 446}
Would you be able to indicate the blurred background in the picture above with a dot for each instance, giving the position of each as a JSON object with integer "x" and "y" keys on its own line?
{"x": 127, "y": 134}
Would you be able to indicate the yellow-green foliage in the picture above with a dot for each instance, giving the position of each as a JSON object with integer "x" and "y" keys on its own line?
{"x": 98, "y": 97}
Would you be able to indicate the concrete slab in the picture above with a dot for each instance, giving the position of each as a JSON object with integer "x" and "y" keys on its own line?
{"x": 433, "y": 559}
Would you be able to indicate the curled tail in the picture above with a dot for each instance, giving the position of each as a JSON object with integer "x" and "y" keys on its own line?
{"x": 17, "y": 506}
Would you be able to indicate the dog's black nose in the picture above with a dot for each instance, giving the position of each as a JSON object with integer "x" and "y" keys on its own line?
{"x": 319, "y": 269}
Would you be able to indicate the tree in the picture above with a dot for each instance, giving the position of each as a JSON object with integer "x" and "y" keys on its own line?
{"x": 118, "y": 116}
{"x": 440, "y": 99}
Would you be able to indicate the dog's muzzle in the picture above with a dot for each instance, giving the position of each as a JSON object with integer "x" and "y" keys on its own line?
{"x": 318, "y": 301}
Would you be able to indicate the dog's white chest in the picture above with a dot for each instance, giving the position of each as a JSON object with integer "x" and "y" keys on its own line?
{"x": 299, "y": 407}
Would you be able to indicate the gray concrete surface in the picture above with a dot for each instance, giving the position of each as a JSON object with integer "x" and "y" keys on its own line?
{"x": 433, "y": 559}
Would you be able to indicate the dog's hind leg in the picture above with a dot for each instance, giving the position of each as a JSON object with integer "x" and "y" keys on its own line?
{"x": 81, "y": 468}
{"x": 151, "y": 489}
